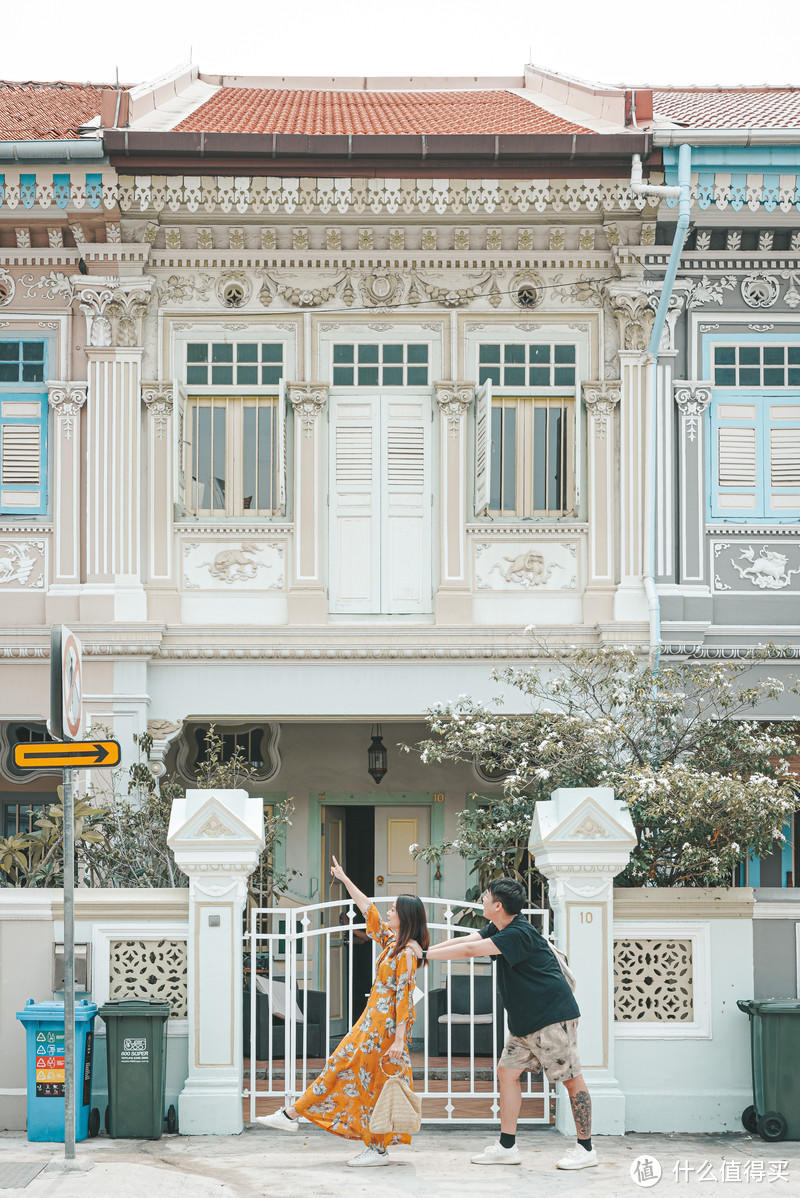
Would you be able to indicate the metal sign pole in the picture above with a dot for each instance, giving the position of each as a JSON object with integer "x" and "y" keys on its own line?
{"x": 69, "y": 968}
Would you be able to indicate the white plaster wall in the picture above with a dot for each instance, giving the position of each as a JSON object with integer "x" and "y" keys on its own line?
{"x": 697, "y": 1085}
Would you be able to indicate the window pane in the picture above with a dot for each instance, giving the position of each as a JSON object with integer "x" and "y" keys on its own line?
{"x": 773, "y": 376}
{"x": 9, "y": 372}
{"x": 342, "y": 353}
{"x": 417, "y": 375}
{"x": 539, "y": 376}
{"x": 417, "y": 353}
{"x": 368, "y": 353}
{"x": 274, "y": 352}
{"x": 343, "y": 376}
{"x": 197, "y": 375}
{"x": 33, "y": 373}
{"x": 196, "y": 353}
{"x": 749, "y": 376}
{"x": 492, "y": 373}
{"x": 554, "y": 473}
{"x": 514, "y": 376}
{"x": 724, "y": 355}
{"x": 774, "y": 355}
{"x": 368, "y": 376}
{"x": 514, "y": 353}
{"x": 9, "y": 351}
{"x": 540, "y": 459}
{"x": 219, "y": 480}
{"x": 725, "y": 377}
{"x": 32, "y": 351}
{"x": 749, "y": 355}
{"x": 510, "y": 459}
{"x": 246, "y": 375}
{"x": 265, "y": 439}
{"x": 794, "y": 355}
{"x": 246, "y": 352}
{"x": 794, "y": 378}
{"x": 564, "y": 376}
{"x": 565, "y": 353}
{"x": 489, "y": 353}
{"x": 250, "y": 469}
{"x": 222, "y": 375}
{"x": 221, "y": 352}
{"x": 271, "y": 375}
{"x": 393, "y": 353}
{"x": 496, "y": 458}
{"x": 539, "y": 353}
{"x": 201, "y": 452}
{"x": 393, "y": 376}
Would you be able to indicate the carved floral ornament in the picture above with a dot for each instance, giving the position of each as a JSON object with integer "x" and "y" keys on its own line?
{"x": 114, "y": 313}
{"x": 308, "y": 400}
{"x": 159, "y": 399}
{"x": 67, "y": 399}
{"x": 453, "y": 400}
{"x": 692, "y": 399}
{"x": 634, "y": 315}
{"x": 600, "y": 400}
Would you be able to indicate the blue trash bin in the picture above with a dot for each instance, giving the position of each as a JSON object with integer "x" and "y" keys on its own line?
{"x": 44, "y": 1028}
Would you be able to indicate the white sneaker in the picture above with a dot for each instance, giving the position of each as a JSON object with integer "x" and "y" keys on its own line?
{"x": 496, "y": 1154}
{"x": 278, "y": 1119}
{"x": 578, "y": 1158}
{"x": 369, "y": 1157}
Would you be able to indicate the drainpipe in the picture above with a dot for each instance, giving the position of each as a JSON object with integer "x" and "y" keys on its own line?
{"x": 683, "y": 194}
{"x": 84, "y": 149}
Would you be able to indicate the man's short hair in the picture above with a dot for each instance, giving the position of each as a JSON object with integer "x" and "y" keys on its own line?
{"x": 510, "y": 894}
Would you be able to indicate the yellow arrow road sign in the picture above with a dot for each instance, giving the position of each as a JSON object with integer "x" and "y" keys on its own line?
{"x": 79, "y": 754}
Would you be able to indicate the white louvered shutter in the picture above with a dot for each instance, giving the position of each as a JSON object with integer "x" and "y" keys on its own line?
{"x": 737, "y": 490}
{"x": 783, "y": 483}
{"x": 354, "y": 547}
{"x": 22, "y": 454}
{"x": 406, "y": 506}
{"x": 483, "y": 447}
{"x": 280, "y": 456}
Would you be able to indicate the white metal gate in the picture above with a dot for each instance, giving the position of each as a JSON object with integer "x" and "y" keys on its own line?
{"x": 291, "y": 955}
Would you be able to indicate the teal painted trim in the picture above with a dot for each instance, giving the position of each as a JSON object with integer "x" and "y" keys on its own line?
{"x": 753, "y": 870}
{"x": 787, "y": 853}
{"x": 364, "y": 799}
{"x": 752, "y": 160}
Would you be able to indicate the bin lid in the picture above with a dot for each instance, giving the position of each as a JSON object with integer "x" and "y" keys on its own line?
{"x": 53, "y": 1011}
{"x": 135, "y": 1006}
{"x": 769, "y": 1006}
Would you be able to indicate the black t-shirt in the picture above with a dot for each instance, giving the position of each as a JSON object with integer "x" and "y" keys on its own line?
{"x": 532, "y": 986}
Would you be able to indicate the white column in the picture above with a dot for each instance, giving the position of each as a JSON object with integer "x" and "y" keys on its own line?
{"x": 580, "y": 840}
{"x": 160, "y": 456}
{"x": 453, "y": 598}
{"x": 308, "y": 600}
{"x": 692, "y": 398}
{"x": 67, "y": 399}
{"x": 601, "y": 400}
{"x": 216, "y": 837}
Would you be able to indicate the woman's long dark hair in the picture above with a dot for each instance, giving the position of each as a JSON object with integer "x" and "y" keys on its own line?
{"x": 413, "y": 923}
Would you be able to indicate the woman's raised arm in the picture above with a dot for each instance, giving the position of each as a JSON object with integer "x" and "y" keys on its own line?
{"x": 358, "y": 896}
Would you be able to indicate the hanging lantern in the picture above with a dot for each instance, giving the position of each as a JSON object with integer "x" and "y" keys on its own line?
{"x": 377, "y": 757}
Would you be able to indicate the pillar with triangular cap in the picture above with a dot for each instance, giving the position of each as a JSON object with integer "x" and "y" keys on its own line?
{"x": 580, "y": 840}
{"x": 216, "y": 837}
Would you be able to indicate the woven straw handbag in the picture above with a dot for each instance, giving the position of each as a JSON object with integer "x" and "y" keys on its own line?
{"x": 398, "y": 1109}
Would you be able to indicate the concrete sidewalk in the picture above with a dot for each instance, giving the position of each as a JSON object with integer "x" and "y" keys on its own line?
{"x": 312, "y": 1165}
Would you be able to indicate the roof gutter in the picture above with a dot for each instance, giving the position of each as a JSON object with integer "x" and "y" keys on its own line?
{"x": 85, "y": 149}
{"x": 726, "y": 137}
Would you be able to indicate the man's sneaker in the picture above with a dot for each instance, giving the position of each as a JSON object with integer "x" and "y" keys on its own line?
{"x": 496, "y": 1154}
{"x": 578, "y": 1157}
{"x": 369, "y": 1158}
{"x": 278, "y": 1119}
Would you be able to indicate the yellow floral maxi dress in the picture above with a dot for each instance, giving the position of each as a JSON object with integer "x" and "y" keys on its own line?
{"x": 342, "y": 1098}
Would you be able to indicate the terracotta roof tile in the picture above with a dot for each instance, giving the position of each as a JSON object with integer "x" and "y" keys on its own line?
{"x": 46, "y": 111}
{"x": 729, "y": 107}
{"x": 279, "y": 110}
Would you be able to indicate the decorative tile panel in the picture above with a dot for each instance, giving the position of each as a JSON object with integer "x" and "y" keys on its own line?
{"x": 154, "y": 969}
{"x": 526, "y": 565}
{"x": 228, "y": 566}
{"x": 653, "y": 981}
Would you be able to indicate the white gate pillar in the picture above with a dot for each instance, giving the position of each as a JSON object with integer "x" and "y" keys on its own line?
{"x": 216, "y": 837}
{"x": 580, "y": 840}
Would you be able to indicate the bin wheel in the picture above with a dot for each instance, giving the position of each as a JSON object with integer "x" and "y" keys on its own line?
{"x": 750, "y": 1120}
{"x": 94, "y": 1122}
{"x": 172, "y": 1120}
{"x": 772, "y": 1126}
{"x": 107, "y": 1120}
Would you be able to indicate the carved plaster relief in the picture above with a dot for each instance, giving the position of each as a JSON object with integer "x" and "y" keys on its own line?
{"x": 765, "y": 566}
{"x": 525, "y": 566}
{"x": 692, "y": 399}
{"x": 601, "y": 399}
{"x": 67, "y": 399}
{"x": 23, "y": 565}
{"x": 222, "y": 566}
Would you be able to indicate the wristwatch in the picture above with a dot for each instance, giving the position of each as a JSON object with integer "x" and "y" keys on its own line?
{"x": 424, "y": 955}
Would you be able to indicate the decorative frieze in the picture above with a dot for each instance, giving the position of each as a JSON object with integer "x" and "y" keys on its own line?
{"x": 768, "y": 567}
{"x": 66, "y": 399}
{"x": 692, "y": 399}
{"x": 600, "y": 400}
{"x": 23, "y": 565}
{"x": 454, "y": 399}
{"x": 308, "y": 400}
{"x": 222, "y": 565}
{"x": 541, "y": 566}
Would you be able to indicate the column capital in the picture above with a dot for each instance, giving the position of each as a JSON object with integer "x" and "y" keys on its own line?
{"x": 674, "y": 308}
{"x": 692, "y": 398}
{"x": 453, "y": 399}
{"x": 631, "y": 307}
{"x": 114, "y": 309}
{"x": 66, "y": 399}
{"x": 308, "y": 400}
{"x": 600, "y": 400}
{"x": 159, "y": 399}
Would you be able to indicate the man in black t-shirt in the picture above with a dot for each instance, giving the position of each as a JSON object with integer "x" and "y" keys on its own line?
{"x": 542, "y": 1019}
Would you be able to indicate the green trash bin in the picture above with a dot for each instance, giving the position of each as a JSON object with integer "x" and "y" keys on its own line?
{"x": 775, "y": 1049}
{"x": 136, "y": 1054}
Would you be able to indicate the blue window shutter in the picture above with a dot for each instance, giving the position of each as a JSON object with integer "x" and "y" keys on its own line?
{"x": 782, "y": 446}
{"x": 737, "y": 466}
{"x": 23, "y": 454}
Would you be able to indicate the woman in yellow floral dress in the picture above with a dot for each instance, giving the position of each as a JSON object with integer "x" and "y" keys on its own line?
{"x": 342, "y": 1098}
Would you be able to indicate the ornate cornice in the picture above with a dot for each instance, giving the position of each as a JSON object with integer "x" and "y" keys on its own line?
{"x": 692, "y": 399}
{"x": 308, "y": 400}
{"x": 600, "y": 400}
{"x": 453, "y": 400}
{"x": 66, "y": 399}
{"x": 159, "y": 399}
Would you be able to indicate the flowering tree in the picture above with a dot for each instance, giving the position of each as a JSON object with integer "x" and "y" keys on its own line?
{"x": 703, "y": 779}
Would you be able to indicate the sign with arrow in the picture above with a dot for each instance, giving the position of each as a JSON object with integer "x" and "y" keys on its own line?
{"x": 77, "y": 754}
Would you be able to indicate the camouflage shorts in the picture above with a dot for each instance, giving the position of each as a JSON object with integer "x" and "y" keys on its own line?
{"x": 553, "y": 1049}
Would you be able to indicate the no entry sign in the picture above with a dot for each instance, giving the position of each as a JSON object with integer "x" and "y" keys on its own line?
{"x": 66, "y": 684}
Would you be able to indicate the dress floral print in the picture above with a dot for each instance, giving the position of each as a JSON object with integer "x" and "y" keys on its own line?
{"x": 342, "y": 1098}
